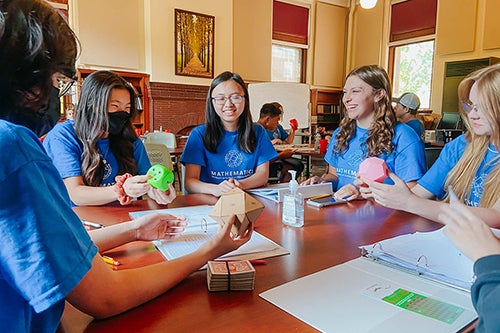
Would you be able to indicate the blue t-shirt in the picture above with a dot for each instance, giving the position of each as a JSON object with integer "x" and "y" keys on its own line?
{"x": 418, "y": 127}
{"x": 278, "y": 133}
{"x": 229, "y": 161}
{"x": 485, "y": 293}
{"x": 45, "y": 251}
{"x": 433, "y": 181}
{"x": 407, "y": 159}
{"x": 65, "y": 150}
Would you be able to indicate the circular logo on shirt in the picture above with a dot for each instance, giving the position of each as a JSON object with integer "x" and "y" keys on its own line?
{"x": 233, "y": 158}
{"x": 355, "y": 159}
{"x": 107, "y": 170}
{"x": 477, "y": 189}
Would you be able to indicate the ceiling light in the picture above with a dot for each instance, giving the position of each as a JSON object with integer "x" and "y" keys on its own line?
{"x": 367, "y": 4}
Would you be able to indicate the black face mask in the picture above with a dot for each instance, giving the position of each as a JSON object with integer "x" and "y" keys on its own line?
{"x": 117, "y": 121}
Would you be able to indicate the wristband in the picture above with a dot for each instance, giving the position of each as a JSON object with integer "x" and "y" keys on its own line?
{"x": 123, "y": 198}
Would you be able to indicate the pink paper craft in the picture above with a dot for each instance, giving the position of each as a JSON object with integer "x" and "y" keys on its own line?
{"x": 374, "y": 168}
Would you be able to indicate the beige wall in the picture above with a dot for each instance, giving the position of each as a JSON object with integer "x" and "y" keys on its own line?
{"x": 253, "y": 23}
{"x": 111, "y": 35}
{"x": 367, "y": 30}
{"x": 139, "y": 35}
{"x": 329, "y": 45}
{"x": 478, "y": 36}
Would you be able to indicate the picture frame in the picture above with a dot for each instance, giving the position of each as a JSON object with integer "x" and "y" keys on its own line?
{"x": 194, "y": 44}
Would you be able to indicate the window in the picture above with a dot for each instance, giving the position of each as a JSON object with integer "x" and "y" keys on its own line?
{"x": 412, "y": 70}
{"x": 290, "y": 38}
{"x": 286, "y": 64}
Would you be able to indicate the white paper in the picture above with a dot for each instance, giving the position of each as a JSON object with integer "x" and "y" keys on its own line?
{"x": 201, "y": 228}
{"x": 335, "y": 300}
{"x": 428, "y": 253}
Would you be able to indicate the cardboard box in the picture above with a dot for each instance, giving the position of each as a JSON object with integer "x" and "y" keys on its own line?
{"x": 237, "y": 202}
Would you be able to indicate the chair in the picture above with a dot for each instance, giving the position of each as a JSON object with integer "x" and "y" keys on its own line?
{"x": 274, "y": 172}
{"x": 170, "y": 141}
{"x": 431, "y": 155}
{"x": 185, "y": 131}
{"x": 158, "y": 154}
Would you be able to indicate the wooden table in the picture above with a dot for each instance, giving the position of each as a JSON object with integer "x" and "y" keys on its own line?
{"x": 306, "y": 153}
{"x": 175, "y": 152}
{"x": 330, "y": 237}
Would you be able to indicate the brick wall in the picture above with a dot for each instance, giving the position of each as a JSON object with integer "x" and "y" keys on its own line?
{"x": 175, "y": 106}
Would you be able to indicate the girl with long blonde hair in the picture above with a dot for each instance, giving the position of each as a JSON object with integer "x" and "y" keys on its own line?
{"x": 469, "y": 164}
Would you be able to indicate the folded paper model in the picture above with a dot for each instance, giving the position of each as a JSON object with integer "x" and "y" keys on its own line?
{"x": 162, "y": 176}
{"x": 237, "y": 202}
{"x": 374, "y": 168}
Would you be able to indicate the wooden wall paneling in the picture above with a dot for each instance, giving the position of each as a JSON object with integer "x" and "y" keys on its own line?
{"x": 330, "y": 46}
{"x": 456, "y": 26}
{"x": 491, "y": 33}
{"x": 252, "y": 39}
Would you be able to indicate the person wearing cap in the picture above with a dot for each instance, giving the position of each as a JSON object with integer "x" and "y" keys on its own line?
{"x": 406, "y": 111}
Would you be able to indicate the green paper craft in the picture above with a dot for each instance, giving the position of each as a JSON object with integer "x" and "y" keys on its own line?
{"x": 162, "y": 176}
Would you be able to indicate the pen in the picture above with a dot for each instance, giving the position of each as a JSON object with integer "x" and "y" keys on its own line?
{"x": 92, "y": 224}
{"x": 320, "y": 196}
{"x": 110, "y": 261}
{"x": 257, "y": 262}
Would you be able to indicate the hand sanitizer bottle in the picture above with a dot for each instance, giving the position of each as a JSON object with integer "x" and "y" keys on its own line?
{"x": 293, "y": 204}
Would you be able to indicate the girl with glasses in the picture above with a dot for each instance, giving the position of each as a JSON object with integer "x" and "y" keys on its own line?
{"x": 99, "y": 155}
{"x": 469, "y": 164}
{"x": 227, "y": 151}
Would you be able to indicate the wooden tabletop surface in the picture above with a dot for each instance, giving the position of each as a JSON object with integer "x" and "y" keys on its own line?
{"x": 329, "y": 237}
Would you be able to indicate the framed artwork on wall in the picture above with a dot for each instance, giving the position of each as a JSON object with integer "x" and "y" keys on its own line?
{"x": 194, "y": 44}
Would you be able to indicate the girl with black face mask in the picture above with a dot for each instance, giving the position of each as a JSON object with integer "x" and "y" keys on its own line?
{"x": 98, "y": 155}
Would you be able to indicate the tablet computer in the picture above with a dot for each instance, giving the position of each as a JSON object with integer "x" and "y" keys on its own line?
{"x": 324, "y": 201}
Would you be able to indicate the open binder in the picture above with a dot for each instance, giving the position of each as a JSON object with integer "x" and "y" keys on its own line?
{"x": 430, "y": 255}
{"x": 413, "y": 283}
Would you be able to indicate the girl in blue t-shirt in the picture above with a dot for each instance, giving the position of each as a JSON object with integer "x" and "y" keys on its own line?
{"x": 99, "y": 155}
{"x": 228, "y": 151}
{"x": 369, "y": 128}
{"x": 469, "y": 164}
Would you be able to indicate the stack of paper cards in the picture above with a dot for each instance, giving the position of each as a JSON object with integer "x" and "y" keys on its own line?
{"x": 230, "y": 275}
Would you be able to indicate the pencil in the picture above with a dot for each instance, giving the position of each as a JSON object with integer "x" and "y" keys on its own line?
{"x": 320, "y": 196}
{"x": 110, "y": 261}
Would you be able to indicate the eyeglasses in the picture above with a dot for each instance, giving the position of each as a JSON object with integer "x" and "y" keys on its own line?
{"x": 233, "y": 99}
{"x": 468, "y": 107}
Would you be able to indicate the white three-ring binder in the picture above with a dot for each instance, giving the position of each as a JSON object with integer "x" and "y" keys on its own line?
{"x": 353, "y": 297}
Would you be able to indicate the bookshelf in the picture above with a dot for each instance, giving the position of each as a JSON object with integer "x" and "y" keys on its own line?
{"x": 325, "y": 109}
{"x": 140, "y": 81}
